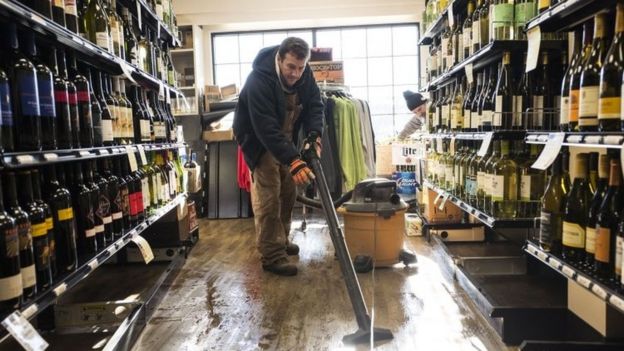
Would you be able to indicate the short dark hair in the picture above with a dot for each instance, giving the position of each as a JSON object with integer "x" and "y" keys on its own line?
{"x": 296, "y": 46}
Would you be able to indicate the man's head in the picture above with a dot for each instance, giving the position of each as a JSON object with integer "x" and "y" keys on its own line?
{"x": 415, "y": 102}
{"x": 293, "y": 55}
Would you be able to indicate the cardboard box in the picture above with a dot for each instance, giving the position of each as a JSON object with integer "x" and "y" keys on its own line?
{"x": 328, "y": 71}
{"x": 218, "y": 135}
{"x": 450, "y": 213}
{"x": 229, "y": 90}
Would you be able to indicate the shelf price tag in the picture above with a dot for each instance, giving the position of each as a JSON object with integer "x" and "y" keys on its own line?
{"x": 38, "y": 19}
{"x": 30, "y": 311}
{"x": 569, "y": 272}
{"x": 142, "y": 154}
{"x": 144, "y": 247}
{"x": 598, "y": 290}
{"x": 485, "y": 144}
{"x": 60, "y": 289}
{"x": 617, "y": 302}
{"x": 132, "y": 158}
{"x": 127, "y": 70}
{"x": 50, "y": 156}
{"x": 583, "y": 281}
{"x": 93, "y": 264}
{"x": 542, "y": 256}
{"x": 84, "y": 153}
{"x": 22, "y": 159}
{"x": 550, "y": 152}
{"x": 161, "y": 89}
{"x": 452, "y": 145}
{"x": 469, "y": 75}
{"x": 138, "y": 3}
{"x": 103, "y": 152}
{"x": 444, "y": 199}
{"x": 553, "y": 262}
{"x": 534, "y": 35}
{"x": 24, "y": 332}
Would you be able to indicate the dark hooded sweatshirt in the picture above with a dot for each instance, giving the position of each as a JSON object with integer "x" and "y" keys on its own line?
{"x": 261, "y": 111}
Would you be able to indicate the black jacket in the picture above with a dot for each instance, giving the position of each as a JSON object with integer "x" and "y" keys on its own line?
{"x": 261, "y": 111}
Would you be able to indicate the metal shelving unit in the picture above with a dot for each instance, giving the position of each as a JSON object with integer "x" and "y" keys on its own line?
{"x": 569, "y": 14}
{"x": 482, "y": 216}
{"x": 86, "y": 50}
{"x": 436, "y": 27}
{"x": 89, "y": 264}
{"x": 501, "y": 134}
{"x": 152, "y": 19}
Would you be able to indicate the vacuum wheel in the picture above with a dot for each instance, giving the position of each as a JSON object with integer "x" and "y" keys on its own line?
{"x": 363, "y": 264}
{"x": 407, "y": 257}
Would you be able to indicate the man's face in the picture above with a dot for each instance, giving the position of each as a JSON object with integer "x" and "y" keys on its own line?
{"x": 420, "y": 110}
{"x": 291, "y": 68}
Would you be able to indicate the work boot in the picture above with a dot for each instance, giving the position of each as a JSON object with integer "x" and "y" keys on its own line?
{"x": 292, "y": 249}
{"x": 281, "y": 267}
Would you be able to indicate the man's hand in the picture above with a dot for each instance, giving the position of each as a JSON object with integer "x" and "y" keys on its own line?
{"x": 313, "y": 140}
{"x": 300, "y": 172}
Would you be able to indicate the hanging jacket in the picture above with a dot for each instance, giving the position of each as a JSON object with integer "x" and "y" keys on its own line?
{"x": 261, "y": 111}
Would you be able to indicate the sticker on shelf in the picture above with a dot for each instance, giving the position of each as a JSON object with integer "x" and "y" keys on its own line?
{"x": 84, "y": 153}
{"x": 613, "y": 139}
{"x": 50, "y": 156}
{"x": 534, "y": 36}
{"x": 93, "y": 264}
{"x": 583, "y": 281}
{"x": 451, "y": 16}
{"x": 131, "y": 158}
{"x": 569, "y": 272}
{"x": 144, "y": 247}
{"x": 142, "y": 155}
{"x": 103, "y": 152}
{"x": 23, "y": 159}
{"x": 555, "y": 263}
{"x": 593, "y": 139}
{"x": 485, "y": 144}
{"x": 127, "y": 70}
{"x": 599, "y": 291}
{"x": 60, "y": 289}
{"x": 27, "y": 336}
{"x": 469, "y": 75}
{"x": 617, "y": 302}
{"x": 30, "y": 311}
{"x": 550, "y": 152}
{"x": 542, "y": 256}
{"x": 38, "y": 19}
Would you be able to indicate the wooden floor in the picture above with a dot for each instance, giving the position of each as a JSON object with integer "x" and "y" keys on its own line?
{"x": 222, "y": 300}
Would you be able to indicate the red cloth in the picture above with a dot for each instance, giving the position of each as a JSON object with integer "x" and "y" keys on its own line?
{"x": 244, "y": 177}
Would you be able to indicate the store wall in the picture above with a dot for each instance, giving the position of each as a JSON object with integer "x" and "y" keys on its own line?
{"x": 245, "y": 15}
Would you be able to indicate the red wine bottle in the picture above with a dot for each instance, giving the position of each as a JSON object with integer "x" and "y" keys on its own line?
{"x": 10, "y": 273}
{"x": 45, "y": 88}
{"x": 62, "y": 126}
{"x": 26, "y": 109}
{"x": 49, "y": 220}
{"x": 95, "y": 203}
{"x": 74, "y": 127}
{"x": 115, "y": 198}
{"x": 83, "y": 204}
{"x": 104, "y": 207}
{"x": 6, "y": 114}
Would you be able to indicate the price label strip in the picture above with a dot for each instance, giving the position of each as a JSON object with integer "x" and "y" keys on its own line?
{"x": 132, "y": 158}
{"x": 22, "y": 159}
{"x": 24, "y": 332}
{"x": 485, "y": 144}
{"x": 583, "y": 281}
{"x": 550, "y": 152}
{"x": 599, "y": 291}
{"x": 568, "y": 271}
{"x": 50, "y": 156}
{"x": 144, "y": 247}
{"x": 127, "y": 70}
{"x": 534, "y": 35}
{"x": 142, "y": 154}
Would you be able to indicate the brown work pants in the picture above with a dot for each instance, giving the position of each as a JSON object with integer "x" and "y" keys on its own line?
{"x": 273, "y": 195}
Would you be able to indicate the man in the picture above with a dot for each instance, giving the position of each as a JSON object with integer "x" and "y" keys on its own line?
{"x": 418, "y": 105}
{"x": 279, "y": 98}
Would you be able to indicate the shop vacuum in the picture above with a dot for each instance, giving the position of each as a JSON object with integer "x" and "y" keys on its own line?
{"x": 363, "y": 202}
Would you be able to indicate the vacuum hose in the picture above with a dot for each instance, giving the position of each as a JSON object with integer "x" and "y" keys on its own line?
{"x": 317, "y": 204}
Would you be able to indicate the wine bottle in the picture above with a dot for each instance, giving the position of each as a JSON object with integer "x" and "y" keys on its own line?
{"x": 457, "y": 118}
{"x": 467, "y": 32}
{"x": 575, "y": 78}
{"x": 130, "y": 38}
{"x": 45, "y": 89}
{"x": 594, "y": 207}
{"x": 484, "y": 22}
{"x": 116, "y": 31}
{"x": 575, "y": 214}
{"x": 128, "y": 125}
{"x": 551, "y": 211}
{"x": 24, "y": 231}
{"x": 152, "y": 118}
{"x": 107, "y": 121}
{"x": 103, "y": 211}
{"x": 74, "y": 126}
{"x": 543, "y": 5}
{"x": 98, "y": 27}
{"x": 6, "y": 114}
{"x": 501, "y": 20}
{"x": 39, "y": 232}
{"x": 83, "y": 98}
{"x": 60, "y": 202}
{"x": 124, "y": 191}
{"x": 114, "y": 196}
{"x": 504, "y": 184}
{"x": 83, "y": 204}
{"x": 593, "y": 173}
{"x": 565, "y": 169}
{"x": 503, "y": 111}
{"x": 539, "y": 94}
{"x": 488, "y": 189}
{"x": 565, "y": 85}
{"x": 96, "y": 109}
{"x": 523, "y": 100}
{"x": 476, "y": 27}
{"x": 49, "y": 221}
{"x": 609, "y": 103}
{"x": 132, "y": 192}
{"x": 61, "y": 130}
{"x": 10, "y": 274}
{"x": 619, "y": 252}
{"x": 524, "y": 11}
{"x": 606, "y": 227}
{"x": 118, "y": 123}
{"x": 531, "y": 185}
{"x": 94, "y": 195}
{"x": 590, "y": 77}
{"x": 58, "y": 12}
{"x": 487, "y": 104}
{"x": 71, "y": 15}
{"x": 444, "y": 114}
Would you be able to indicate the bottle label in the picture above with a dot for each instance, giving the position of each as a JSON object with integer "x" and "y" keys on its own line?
{"x": 107, "y": 130}
{"x": 456, "y": 117}
{"x": 590, "y": 239}
{"x": 485, "y": 29}
{"x": 487, "y": 118}
{"x": 619, "y": 247}
{"x": 103, "y": 209}
{"x": 467, "y": 39}
{"x": 565, "y": 109}
{"x": 525, "y": 188}
{"x": 125, "y": 208}
{"x": 543, "y": 4}
{"x": 117, "y": 215}
{"x": 588, "y": 106}
{"x": 41, "y": 250}
{"x": 538, "y": 106}
{"x": 448, "y": 175}
{"x": 11, "y": 287}
{"x": 25, "y": 236}
{"x": 70, "y": 7}
{"x": 498, "y": 187}
{"x": 550, "y": 225}
{"x": 603, "y": 244}
{"x": 29, "y": 276}
{"x": 466, "y": 116}
{"x": 574, "y": 106}
{"x": 573, "y": 235}
{"x": 159, "y": 11}
{"x": 502, "y": 15}
{"x": 99, "y": 228}
{"x": 89, "y": 233}
{"x": 73, "y": 99}
{"x": 11, "y": 240}
{"x": 65, "y": 214}
{"x": 480, "y": 181}
{"x": 28, "y": 95}
{"x": 5, "y": 105}
{"x": 102, "y": 40}
{"x": 609, "y": 108}
{"x": 134, "y": 209}
{"x": 61, "y": 96}
{"x": 115, "y": 35}
{"x": 59, "y": 3}
{"x": 524, "y": 12}
{"x": 39, "y": 229}
{"x": 46, "y": 98}
{"x": 518, "y": 111}
{"x": 498, "y": 114}
{"x": 445, "y": 115}
{"x": 146, "y": 194}
{"x": 49, "y": 223}
{"x": 476, "y": 33}
{"x": 83, "y": 96}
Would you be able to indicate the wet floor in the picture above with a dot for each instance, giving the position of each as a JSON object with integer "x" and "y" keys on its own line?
{"x": 222, "y": 300}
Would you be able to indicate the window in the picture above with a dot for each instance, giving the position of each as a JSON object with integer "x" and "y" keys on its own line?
{"x": 380, "y": 63}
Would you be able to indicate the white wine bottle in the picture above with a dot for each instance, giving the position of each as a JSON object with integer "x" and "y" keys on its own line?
{"x": 504, "y": 184}
{"x": 575, "y": 213}
{"x": 551, "y": 211}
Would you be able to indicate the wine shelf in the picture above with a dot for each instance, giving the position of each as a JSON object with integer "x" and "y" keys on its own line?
{"x": 505, "y": 134}
{"x": 493, "y": 52}
{"x": 87, "y": 265}
{"x": 609, "y": 140}
{"x": 569, "y": 14}
{"x": 436, "y": 27}
{"x": 38, "y": 158}
{"x": 483, "y": 217}
{"x": 162, "y": 31}
{"x": 602, "y": 291}
{"x": 87, "y": 51}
